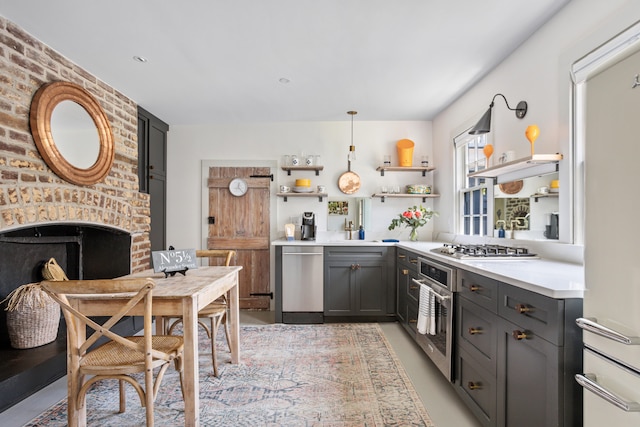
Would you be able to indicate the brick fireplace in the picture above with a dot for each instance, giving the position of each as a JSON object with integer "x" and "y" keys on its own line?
{"x": 44, "y": 215}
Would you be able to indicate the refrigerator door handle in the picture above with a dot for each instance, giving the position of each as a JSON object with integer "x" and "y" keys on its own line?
{"x": 589, "y": 382}
{"x": 591, "y": 324}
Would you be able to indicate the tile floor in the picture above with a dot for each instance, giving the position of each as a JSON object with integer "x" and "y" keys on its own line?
{"x": 441, "y": 401}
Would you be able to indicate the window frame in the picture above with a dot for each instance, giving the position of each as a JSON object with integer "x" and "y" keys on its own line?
{"x": 472, "y": 222}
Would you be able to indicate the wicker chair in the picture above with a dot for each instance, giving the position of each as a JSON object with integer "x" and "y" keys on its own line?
{"x": 119, "y": 356}
{"x": 216, "y": 312}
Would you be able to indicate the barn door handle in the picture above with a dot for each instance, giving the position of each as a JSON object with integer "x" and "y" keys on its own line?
{"x": 262, "y": 294}
{"x": 262, "y": 176}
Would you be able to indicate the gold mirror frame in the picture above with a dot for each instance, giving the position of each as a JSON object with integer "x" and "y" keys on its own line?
{"x": 44, "y": 102}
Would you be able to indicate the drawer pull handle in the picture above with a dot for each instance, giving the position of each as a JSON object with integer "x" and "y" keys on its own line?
{"x": 519, "y": 335}
{"x": 475, "y": 331}
{"x": 474, "y": 385}
{"x": 591, "y": 324}
{"x": 413, "y": 260}
{"x": 474, "y": 288}
{"x": 414, "y": 288}
{"x": 401, "y": 256}
{"x": 590, "y": 382}
{"x": 405, "y": 272}
{"x": 523, "y": 308}
{"x": 413, "y": 320}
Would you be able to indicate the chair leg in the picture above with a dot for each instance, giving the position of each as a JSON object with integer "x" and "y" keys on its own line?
{"x": 214, "y": 333}
{"x": 226, "y": 329}
{"x": 123, "y": 401}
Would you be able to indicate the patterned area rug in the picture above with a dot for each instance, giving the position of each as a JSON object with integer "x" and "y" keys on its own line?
{"x": 338, "y": 375}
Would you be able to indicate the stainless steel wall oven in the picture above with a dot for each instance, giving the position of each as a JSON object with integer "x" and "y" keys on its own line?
{"x": 435, "y": 319}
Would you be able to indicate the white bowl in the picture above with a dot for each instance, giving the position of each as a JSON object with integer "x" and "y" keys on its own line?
{"x": 298, "y": 189}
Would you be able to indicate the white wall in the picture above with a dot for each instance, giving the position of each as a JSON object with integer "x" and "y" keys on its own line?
{"x": 537, "y": 72}
{"x": 189, "y": 146}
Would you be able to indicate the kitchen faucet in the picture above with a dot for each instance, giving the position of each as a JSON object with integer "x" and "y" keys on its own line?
{"x": 349, "y": 228}
{"x": 514, "y": 223}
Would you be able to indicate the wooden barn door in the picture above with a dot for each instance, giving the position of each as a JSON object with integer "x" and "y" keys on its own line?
{"x": 242, "y": 223}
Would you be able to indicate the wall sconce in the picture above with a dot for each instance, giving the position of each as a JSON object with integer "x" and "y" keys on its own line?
{"x": 484, "y": 124}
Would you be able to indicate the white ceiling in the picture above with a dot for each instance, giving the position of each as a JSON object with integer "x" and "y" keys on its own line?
{"x": 214, "y": 61}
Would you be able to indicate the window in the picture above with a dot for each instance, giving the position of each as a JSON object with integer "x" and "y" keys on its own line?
{"x": 475, "y": 199}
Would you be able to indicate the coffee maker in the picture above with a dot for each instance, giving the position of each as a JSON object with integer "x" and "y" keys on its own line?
{"x": 308, "y": 228}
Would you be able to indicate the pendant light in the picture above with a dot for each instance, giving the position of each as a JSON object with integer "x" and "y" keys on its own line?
{"x": 349, "y": 182}
{"x": 352, "y": 148}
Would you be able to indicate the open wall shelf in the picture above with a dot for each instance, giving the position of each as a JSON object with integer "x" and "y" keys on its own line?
{"x": 424, "y": 197}
{"x": 517, "y": 165}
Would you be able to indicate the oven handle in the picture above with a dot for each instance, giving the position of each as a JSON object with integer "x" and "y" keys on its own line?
{"x": 589, "y": 382}
{"x": 435, "y": 294}
{"x": 591, "y": 324}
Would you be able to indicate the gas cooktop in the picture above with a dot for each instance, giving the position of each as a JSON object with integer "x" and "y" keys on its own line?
{"x": 493, "y": 252}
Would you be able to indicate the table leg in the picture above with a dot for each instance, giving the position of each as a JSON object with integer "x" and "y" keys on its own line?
{"x": 191, "y": 382}
{"x": 234, "y": 322}
{"x": 76, "y": 417}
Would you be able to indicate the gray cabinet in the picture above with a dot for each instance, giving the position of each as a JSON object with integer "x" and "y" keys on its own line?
{"x": 408, "y": 293}
{"x": 152, "y": 172}
{"x": 517, "y": 352}
{"x": 358, "y": 283}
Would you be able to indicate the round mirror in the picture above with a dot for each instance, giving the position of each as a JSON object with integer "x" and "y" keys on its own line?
{"x": 75, "y": 134}
{"x": 72, "y": 133}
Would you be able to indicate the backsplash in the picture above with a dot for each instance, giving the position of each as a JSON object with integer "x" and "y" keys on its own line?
{"x": 30, "y": 193}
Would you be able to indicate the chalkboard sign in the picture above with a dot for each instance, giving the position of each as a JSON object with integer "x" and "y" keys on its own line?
{"x": 174, "y": 261}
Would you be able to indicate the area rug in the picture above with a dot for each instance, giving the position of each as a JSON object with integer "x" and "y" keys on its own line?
{"x": 329, "y": 375}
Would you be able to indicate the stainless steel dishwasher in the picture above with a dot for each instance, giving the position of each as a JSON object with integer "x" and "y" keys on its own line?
{"x": 302, "y": 284}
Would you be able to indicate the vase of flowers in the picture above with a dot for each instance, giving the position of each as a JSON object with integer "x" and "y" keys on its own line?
{"x": 414, "y": 218}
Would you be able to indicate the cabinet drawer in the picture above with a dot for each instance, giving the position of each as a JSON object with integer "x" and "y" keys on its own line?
{"x": 477, "y": 388}
{"x": 540, "y": 314}
{"x": 477, "y": 333}
{"x": 413, "y": 289}
{"x": 357, "y": 253}
{"x": 407, "y": 258}
{"x": 479, "y": 289}
{"x": 412, "y": 317}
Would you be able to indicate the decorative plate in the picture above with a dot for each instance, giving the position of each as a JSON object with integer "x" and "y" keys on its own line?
{"x": 512, "y": 187}
{"x": 349, "y": 182}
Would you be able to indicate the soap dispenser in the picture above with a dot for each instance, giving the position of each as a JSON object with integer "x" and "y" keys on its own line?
{"x": 501, "y": 231}
{"x": 361, "y": 233}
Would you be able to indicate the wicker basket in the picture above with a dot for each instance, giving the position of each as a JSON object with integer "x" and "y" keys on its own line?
{"x": 52, "y": 271}
{"x": 32, "y": 317}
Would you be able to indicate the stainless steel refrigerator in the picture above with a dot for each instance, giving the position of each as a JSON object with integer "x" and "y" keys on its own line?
{"x": 611, "y": 323}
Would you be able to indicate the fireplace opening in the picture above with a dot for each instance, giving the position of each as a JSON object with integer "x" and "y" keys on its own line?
{"x": 84, "y": 252}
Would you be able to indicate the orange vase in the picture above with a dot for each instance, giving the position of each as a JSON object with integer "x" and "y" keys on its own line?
{"x": 532, "y": 133}
{"x": 488, "y": 151}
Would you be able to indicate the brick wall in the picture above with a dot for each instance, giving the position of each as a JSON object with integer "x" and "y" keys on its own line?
{"x": 30, "y": 193}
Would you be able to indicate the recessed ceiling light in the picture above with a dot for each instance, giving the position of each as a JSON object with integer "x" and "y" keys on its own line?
{"x": 140, "y": 58}
{"x": 284, "y": 80}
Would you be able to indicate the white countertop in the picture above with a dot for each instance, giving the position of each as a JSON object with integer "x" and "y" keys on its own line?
{"x": 544, "y": 276}
{"x": 354, "y": 242}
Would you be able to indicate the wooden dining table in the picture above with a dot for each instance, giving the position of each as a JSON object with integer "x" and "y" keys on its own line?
{"x": 183, "y": 295}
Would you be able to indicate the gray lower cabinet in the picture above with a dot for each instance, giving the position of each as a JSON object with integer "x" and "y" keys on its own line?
{"x": 408, "y": 293}
{"x": 359, "y": 283}
{"x": 517, "y": 353}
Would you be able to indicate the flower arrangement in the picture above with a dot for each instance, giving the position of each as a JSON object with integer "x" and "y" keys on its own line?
{"x": 414, "y": 217}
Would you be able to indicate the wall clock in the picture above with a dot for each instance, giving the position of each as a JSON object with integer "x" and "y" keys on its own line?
{"x": 238, "y": 187}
